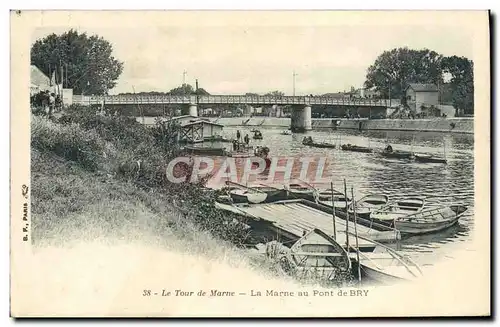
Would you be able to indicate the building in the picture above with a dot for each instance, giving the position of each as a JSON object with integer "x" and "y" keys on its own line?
{"x": 195, "y": 129}
{"x": 421, "y": 96}
{"x": 39, "y": 81}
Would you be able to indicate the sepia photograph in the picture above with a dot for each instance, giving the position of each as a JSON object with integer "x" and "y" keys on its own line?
{"x": 250, "y": 163}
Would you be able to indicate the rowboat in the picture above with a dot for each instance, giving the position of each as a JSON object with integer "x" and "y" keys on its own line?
{"x": 319, "y": 145}
{"x": 401, "y": 208}
{"x": 286, "y": 132}
{"x": 366, "y": 205}
{"x": 430, "y": 220}
{"x": 386, "y": 266}
{"x": 429, "y": 158}
{"x": 301, "y": 191}
{"x": 211, "y": 151}
{"x": 356, "y": 148}
{"x": 247, "y": 196}
{"x": 240, "y": 193}
{"x": 339, "y": 199}
{"x": 240, "y": 154}
{"x": 398, "y": 154}
{"x": 216, "y": 138}
{"x": 318, "y": 255}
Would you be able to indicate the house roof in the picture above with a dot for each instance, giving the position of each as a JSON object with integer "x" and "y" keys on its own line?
{"x": 38, "y": 78}
{"x": 202, "y": 122}
{"x": 423, "y": 87}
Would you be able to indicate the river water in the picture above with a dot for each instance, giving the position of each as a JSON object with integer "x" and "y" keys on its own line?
{"x": 370, "y": 173}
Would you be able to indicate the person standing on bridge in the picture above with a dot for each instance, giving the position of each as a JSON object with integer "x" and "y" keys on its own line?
{"x": 238, "y": 135}
{"x": 247, "y": 139}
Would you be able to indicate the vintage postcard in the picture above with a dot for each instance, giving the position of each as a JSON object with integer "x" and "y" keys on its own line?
{"x": 250, "y": 163}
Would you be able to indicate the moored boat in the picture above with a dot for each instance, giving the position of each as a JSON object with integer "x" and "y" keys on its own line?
{"x": 301, "y": 191}
{"x": 398, "y": 154}
{"x": 388, "y": 214}
{"x": 247, "y": 196}
{"x": 309, "y": 142}
{"x": 366, "y": 205}
{"x": 386, "y": 266}
{"x": 430, "y": 220}
{"x": 286, "y": 132}
{"x": 356, "y": 148}
{"x": 429, "y": 158}
{"x": 199, "y": 150}
{"x": 317, "y": 254}
{"x": 339, "y": 199}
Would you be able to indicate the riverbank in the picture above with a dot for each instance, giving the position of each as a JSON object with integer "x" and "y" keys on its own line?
{"x": 444, "y": 125}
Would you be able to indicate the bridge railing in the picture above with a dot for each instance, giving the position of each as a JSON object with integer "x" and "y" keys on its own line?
{"x": 232, "y": 99}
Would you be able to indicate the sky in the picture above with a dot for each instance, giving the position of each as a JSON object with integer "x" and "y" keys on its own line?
{"x": 252, "y": 57}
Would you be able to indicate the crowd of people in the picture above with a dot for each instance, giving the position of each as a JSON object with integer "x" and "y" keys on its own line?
{"x": 46, "y": 102}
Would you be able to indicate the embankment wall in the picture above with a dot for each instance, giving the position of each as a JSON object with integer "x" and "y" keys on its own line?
{"x": 454, "y": 125}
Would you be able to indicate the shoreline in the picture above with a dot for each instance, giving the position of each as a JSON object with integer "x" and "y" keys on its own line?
{"x": 462, "y": 125}
{"x": 442, "y": 125}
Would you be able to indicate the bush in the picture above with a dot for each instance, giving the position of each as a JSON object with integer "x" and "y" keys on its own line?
{"x": 68, "y": 141}
{"x": 132, "y": 152}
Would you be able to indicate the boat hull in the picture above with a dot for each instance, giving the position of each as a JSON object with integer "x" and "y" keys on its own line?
{"x": 425, "y": 159}
{"x": 398, "y": 155}
{"x": 321, "y": 145}
{"x": 410, "y": 228}
{"x": 378, "y": 276}
{"x": 356, "y": 149}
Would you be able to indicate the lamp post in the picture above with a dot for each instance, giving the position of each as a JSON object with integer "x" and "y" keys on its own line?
{"x": 294, "y": 74}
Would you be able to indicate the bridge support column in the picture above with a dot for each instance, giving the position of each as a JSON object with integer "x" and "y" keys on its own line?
{"x": 193, "y": 110}
{"x": 301, "y": 119}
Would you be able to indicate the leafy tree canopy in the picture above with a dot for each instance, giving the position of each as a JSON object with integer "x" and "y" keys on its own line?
{"x": 393, "y": 70}
{"x": 461, "y": 70}
{"x": 275, "y": 94}
{"x": 88, "y": 64}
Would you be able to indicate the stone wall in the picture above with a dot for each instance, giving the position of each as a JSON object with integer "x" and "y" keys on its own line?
{"x": 454, "y": 125}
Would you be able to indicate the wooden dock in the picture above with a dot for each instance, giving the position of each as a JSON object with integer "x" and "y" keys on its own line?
{"x": 292, "y": 218}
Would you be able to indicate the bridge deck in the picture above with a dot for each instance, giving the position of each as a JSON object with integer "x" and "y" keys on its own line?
{"x": 231, "y": 99}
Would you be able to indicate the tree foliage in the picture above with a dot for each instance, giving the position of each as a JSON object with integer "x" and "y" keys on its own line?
{"x": 394, "y": 69}
{"x": 461, "y": 70}
{"x": 275, "y": 94}
{"x": 87, "y": 61}
{"x": 185, "y": 89}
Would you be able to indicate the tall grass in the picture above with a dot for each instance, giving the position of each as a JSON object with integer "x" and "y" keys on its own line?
{"x": 82, "y": 160}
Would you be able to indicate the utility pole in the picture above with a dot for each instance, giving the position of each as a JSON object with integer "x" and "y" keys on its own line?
{"x": 184, "y": 77}
{"x": 294, "y": 74}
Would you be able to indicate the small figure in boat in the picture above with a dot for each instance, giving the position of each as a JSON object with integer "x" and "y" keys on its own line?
{"x": 257, "y": 135}
{"x": 388, "y": 148}
{"x": 307, "y": 140}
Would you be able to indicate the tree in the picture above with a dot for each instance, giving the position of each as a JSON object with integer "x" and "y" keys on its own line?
{"x": 275, "y": 94}
{"x": 461, "y": 70}
{"x": 88, "y": 64}
{"x": 187, "y": 89}
{"x": 393, "y": 70}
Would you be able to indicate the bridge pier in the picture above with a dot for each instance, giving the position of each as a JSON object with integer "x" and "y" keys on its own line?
{"x": 301, "y": 119}
{"x": 193, "y": 110}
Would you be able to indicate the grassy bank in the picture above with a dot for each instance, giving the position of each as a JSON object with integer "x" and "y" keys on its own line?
{"x": 86, "y": 185}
